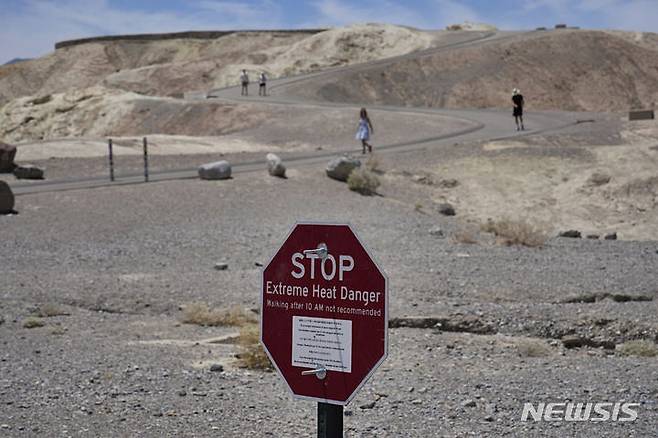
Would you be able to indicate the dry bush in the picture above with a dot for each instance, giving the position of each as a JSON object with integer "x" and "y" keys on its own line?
{"x": 466, "y": 235}
{"x": 510, "y": 232}
{"x": 33, "y": 322}
{"x": 48, "y": 310}
{"x": 252, "y": 355}
{"x": 640, "y": 348}
{"x": 374, "y": 164}
{"x": 58, "y": 330}
{"x": 363, "y": 181}
{"x": 532, "y": 348}
{"x": 202, "y": 314}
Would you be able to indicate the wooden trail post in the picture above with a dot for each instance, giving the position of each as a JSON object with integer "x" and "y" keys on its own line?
{"x": 109, "y": 145}
{"x": 146, "y": 161}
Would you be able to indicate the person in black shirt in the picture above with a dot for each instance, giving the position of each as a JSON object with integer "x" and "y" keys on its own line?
{"x": 517, "y": 99}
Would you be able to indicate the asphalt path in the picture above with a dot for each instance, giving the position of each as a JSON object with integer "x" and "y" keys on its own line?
{"x": 486, "y": 124}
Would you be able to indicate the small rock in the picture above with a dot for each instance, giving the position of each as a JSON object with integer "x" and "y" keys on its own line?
{"x": 446, "y": 209}
{"x": 574, "y": 234}
{"x": 438, "y": 232}
{"x": 489, "y": 418}
{"x": 348, "y": 413}
{"x": 340, "y": 168}
{"x": 573, "y": 341}
{"x": 6, "y": 199}
{"x": 611, "y": 236}
{"x": 593, "y": 236}
{"x": 216, "y": 368}
{"x": 221, "y": 266}
{"x": 368, "y": 405}
{"x": 275, "y": 166}
{"x": 258, "y": 264}
{"x": 217, "y": 170}
{"x": 417, "y": 402}
{"x": 28, "y": 171}
{"x": 469, "y": 403}
{"x": 599, "y": 179}
{"x": 182, "y": 393}
{"x": 449, "y": 183}
{"x": 7, "y": 155}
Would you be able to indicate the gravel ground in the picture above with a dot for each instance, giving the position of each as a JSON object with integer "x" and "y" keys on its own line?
{"x": 121, "y": 261}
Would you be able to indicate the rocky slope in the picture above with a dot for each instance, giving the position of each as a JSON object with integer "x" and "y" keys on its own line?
{"x": 556, "y": 70}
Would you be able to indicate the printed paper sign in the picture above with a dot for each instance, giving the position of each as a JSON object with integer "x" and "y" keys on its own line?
{"x": 322, "y": 342}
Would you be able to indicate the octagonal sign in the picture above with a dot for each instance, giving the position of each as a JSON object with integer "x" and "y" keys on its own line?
{"x": 324, "y": 312}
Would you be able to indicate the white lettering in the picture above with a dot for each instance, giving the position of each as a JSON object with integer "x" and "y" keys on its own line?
{"x": 529, "y": 409}
{"x": 346, "y": 264}
{"x": 333, "y": 268}
{"x": 626, "y": 408}
{"x": 599, "y": 408}
{"x": 553, "y": 409}
{"x": 295, "y": 257}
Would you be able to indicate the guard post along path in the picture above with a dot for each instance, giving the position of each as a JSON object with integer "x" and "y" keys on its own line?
{"x": 324, "y": 317}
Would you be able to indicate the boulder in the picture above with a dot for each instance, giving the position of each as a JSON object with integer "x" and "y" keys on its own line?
{"x": 275, "y": 166}
{"x": 6, "y": 198}
{"x": 611, "y": 236}
{"x": 573, "y": 234}
{"x": 217, "y": 170}
{"x": 7, "y": 155}
{"x": 28, "y": 171}
{"x": 340, "y": 168}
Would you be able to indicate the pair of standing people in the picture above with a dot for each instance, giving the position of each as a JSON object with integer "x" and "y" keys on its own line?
{"x": 262, "y": 84}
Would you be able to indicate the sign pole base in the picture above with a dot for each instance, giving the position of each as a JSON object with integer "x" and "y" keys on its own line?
{"x": 330, "y": 421}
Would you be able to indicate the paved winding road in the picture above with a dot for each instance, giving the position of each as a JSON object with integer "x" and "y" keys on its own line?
{"x": 486, "y": 124}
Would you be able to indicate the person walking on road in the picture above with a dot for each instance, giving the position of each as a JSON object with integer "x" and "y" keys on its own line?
{"x": 244, "y": 80}
{"x": 517, "y": 100}
{"x": 262, "y": 84}
{"x": 364, "y": 131}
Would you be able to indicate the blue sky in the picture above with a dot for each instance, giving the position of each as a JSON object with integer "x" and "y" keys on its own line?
{"x": 29, "y": 28}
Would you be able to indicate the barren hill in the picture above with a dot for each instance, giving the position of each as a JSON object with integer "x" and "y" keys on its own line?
{"x": 173, "y": 66}
{"x": 557, "y": 70}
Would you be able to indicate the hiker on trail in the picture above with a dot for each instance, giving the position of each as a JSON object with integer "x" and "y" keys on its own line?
{"x": 517, "y": 99}
{"x": 262, "y": 84}
{"x": 244, "y": 80}
{"x": 364, "y": 131}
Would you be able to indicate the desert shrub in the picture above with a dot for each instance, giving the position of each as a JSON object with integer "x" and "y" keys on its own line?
{"x": 47, "y": 310}
{"x": 466, "y": 235}
{"x": 511, "y": 232}
{"x": 33, "y": 322}
{"x": 640, "y": 348}
{"x": 252, "y": 355}
{"x": 532, "y": 348}
{"x": 374, "y": 164}
{"x": 202, "y": 314}
{"x": 363, "y": 181}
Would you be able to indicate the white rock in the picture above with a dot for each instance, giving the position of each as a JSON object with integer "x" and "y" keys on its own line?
{"x": 275, "y": 166}
{"x": 340, "y": 168}
{"x": 216, "y": 170}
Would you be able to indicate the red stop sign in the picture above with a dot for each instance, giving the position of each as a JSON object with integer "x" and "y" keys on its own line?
{"x": 325, "y": 309}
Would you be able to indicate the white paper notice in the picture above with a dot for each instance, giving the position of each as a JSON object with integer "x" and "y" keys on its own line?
{"x": 322, "y": 342}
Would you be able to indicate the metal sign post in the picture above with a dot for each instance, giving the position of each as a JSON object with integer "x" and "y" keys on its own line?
{"x": 146, "y": 161}
{"x": 109, "y": 145}
{"x": 330, "y": 420}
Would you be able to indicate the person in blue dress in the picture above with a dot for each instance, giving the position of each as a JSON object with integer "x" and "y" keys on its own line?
{"x": 364, "y": 131}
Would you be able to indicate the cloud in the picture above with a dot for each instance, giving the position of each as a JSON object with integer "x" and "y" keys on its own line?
{"x": 340, "y": 13}
{"x": 453, "y": 12}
